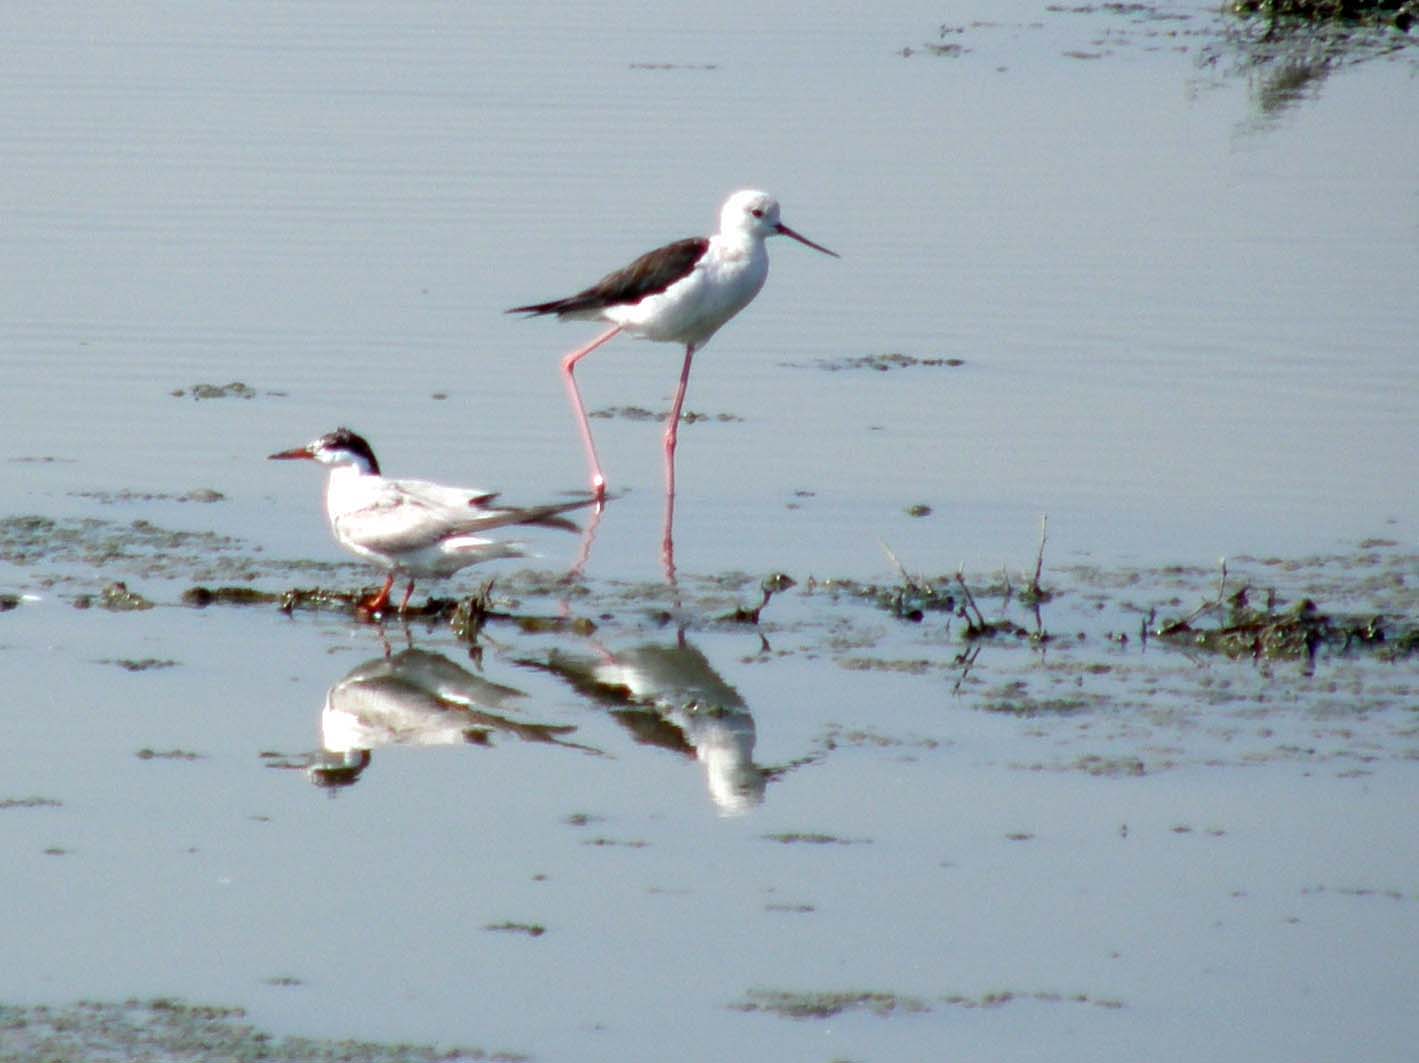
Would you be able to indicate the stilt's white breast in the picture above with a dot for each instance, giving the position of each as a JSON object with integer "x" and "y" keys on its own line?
{"x": 693, "y": 309}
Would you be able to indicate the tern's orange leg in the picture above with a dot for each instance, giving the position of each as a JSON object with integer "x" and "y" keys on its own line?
{"x": 377, "y": 603}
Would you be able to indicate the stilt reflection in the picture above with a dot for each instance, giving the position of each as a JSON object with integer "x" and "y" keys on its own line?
{"x": 669, "y": 695}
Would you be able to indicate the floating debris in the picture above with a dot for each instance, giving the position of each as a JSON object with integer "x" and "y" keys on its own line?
{"x": 319, "y": 598}
{"x": 674, "y": 66}
{"x": 810, "y": 838}
{"x": 168, "y": 754}
{"x": 880, "y": 363}
{"x": 1299, "y": 632}
{"x": 1397, "y": 13}
{"x": 139, "y": 547}
{"x": 788, "y": 1004}
{"x": 108, "y": 498}
{"x": 144, "y": 664}
{"x": 772, "y": 584}
{"x": 201, "y": 597}
{"x": 235, "y": 390}
{"x": 826, "y": 1005}
{"x": 118, "y": 598}
{"x": 943, "y": 47}
{"x": 640, "y": 413}
{"x": 532, "y": 930}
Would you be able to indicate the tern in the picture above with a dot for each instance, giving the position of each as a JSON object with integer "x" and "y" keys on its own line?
{"x": 412, "y": 528}
{"x": 682, "y": 293}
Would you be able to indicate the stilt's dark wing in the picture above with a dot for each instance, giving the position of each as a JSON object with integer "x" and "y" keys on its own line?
{"x": 650, "y": 274}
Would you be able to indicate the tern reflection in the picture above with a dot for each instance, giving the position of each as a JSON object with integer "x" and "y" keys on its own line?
{"x": 415, "y": 698}
{"x": 670, "y": 696}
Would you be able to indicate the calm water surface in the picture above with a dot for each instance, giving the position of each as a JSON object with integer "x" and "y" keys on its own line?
{"x": 1186, "y": 331}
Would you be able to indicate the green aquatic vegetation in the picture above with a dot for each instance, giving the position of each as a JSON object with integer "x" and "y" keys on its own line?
{"x": 140, "y": 664}
{"x": 117, "y": 598}
{"x": 201, "y": 597}
{"x": 828, "y": 1004}
{"x": 139, "y": 547}
{"x": 318, "y": 598}
{"x": 205, "y": 495}
{"x": 1017, "y": 701}
{"x": 235, "y": 390}
{"x": 532, "y": 930}
{"x": 1398, "y": 13}
{"x": 909, "y": 600}
{"x": 878, "y": 363}
{"x": 1267, "y": 632}
{"x": 640, "y": 413}
{"x": 812, "y": 838}
{"x": 1287, "y": 49}
{"x": 775, "y": 583}
{"x": 173, "y": 1031}
{"x": 169, "y": 754}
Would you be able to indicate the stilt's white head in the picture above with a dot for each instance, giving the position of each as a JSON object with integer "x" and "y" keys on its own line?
{"x": 756, "y": 215}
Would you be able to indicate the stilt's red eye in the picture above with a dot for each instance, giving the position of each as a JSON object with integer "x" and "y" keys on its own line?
{"x": 757, "y": 212}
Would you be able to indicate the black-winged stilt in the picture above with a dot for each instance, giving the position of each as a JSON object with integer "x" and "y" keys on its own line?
{"x": 680, "y": 293}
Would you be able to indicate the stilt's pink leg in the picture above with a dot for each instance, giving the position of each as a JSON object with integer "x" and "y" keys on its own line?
{"x": 672, "y": 424}
{"x": 588, "y": 537}
{"x": 598, "y": 481}
{"x": 408, "y": 593}
{"x": 667, "y": 541}
{"x": 672, "y": 433}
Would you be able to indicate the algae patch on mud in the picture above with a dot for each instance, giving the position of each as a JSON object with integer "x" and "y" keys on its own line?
{"x": 1397, "y": 13}
{"x": 1181, "y": 665}
{"x": 172, "y": 1031}
{"x": 204, "y": 495}
{"x": 788, "y": 1004}
{"x": 640, "y": 413}
{"x": 89, "y": 551}
{"x": 878, "y": 363}
{"x": 234, "y": 390}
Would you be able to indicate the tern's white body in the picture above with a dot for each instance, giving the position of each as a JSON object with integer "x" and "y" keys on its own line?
{"x": 415, "y": 698}
{"x": 412, "y": 528}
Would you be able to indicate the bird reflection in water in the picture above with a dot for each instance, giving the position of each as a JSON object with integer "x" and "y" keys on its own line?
{"x": 416, "y": 698}
{"x": 671, "y": 696}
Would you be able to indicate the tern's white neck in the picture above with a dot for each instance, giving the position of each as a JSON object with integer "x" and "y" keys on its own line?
{"x": 346, "y": 473}
{"x": 346, "y": 487}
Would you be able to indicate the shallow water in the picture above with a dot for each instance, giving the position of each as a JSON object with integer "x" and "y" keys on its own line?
{"x": 1184, "y": 314}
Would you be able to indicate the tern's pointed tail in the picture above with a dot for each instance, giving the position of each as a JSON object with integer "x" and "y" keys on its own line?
{"x": 548, "y": 516}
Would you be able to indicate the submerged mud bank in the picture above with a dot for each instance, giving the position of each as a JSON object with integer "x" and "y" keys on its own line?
{"x": 1127, "y": 671}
